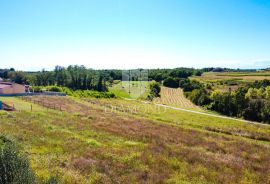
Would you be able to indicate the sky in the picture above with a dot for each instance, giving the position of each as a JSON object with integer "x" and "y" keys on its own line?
{"x": 125, "y": 34}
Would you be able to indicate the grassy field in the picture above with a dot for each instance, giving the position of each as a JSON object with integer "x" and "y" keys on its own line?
{"x": 119, "y": 141}
{"x": 175, "y": 97}
{"x": 132, "y": 89}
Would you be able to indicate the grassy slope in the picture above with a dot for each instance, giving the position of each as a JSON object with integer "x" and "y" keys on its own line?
{"x": 137, "y": 143}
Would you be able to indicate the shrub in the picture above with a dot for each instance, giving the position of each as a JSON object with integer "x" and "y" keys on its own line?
{"x": 54, "y": 88}
{"x": 13, "y": 166}
{"x": 154, "y": 90}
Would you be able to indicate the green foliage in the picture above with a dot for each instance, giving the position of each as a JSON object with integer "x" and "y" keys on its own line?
{"x": 198, "y": 73}
{"x": 171, "y": 82}
{"x": 75, "y": 93}
{"x": 90, "y": 93}
{"x": 189, "y": 85}
{"x": 250, "y": 101}
{"x": 13, "y": 166}
{"x": 154, "y": 90}
{"x": 199, "y": 97}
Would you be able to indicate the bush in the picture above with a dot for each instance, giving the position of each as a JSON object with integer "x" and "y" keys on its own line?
{"x": 15, "y": 167}
{"x": 54, "y": 88}
{"x": 154, "y": 90}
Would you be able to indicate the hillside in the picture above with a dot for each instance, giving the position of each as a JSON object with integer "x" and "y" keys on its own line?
{"x": 119, "y": 141}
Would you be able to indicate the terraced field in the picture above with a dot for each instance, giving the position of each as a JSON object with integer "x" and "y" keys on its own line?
{"x": 119, "y": 141}
{"x": 175, "y": 97}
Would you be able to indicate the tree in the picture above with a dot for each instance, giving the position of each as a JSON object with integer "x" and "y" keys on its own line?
{"x": 253, "y": 110}
{"x": 17, "y": 77}
{"x": 198, "y": 73}
{"x": 154, "y": 90}
{"x": 171, "y": 82}
{"x": 60, "y": 75}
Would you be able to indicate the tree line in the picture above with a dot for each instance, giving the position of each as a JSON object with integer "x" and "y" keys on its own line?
{"x": 78, "y": 77}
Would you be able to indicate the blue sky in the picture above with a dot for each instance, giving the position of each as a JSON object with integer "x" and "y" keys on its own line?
{"x": 36, "y": 34}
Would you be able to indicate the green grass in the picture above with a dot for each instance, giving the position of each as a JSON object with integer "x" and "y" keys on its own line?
{"x": 132, "y": 89}
{"x": 84, "y": 144}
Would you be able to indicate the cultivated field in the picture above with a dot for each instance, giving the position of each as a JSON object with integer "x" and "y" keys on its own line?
{"x": 119, "y": 141}
{"x": 175, "y": 97}
{"x": 236, "y": 76}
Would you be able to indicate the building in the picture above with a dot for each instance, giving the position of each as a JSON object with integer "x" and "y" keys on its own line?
{"x": 11, "y": 88}
{"x": 1, "y": 80}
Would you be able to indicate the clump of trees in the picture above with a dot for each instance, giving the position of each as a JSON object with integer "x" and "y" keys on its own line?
{"x": 172, "y": 75}
{"x": 15, "y": 167}
{"x": 251, "y": 102}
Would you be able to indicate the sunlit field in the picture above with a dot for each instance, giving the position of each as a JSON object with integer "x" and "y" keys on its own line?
{"x": 120, "y": 141}
{"x": 238, "y": 76}
{"x": 175, "y": 97}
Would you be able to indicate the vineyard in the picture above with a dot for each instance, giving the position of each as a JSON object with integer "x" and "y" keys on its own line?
{"x": 175, "y": 97}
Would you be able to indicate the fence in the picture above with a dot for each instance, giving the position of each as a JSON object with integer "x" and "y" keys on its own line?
{"x": 34, "y": 94}
{"x": 42, "y": 103}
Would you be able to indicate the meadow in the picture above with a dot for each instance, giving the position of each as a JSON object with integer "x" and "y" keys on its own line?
{"x": 130, "y": 89}
{"x": 123, "y": 141}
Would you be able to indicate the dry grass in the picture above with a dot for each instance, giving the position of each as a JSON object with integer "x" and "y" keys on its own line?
{"x": 248, "y": 76}
{"x": 175, "y": 97}
{"x": 87, "y": 144}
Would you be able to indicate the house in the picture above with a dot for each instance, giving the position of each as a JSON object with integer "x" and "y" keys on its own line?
{"x": 11, "y": 88}
{"x": 1, "y": 80}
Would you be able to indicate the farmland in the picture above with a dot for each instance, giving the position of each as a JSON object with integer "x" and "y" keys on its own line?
{"x": 106, "y": 141}
{"x": 238, "y": 76}
{"x": 175, "y": 97}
